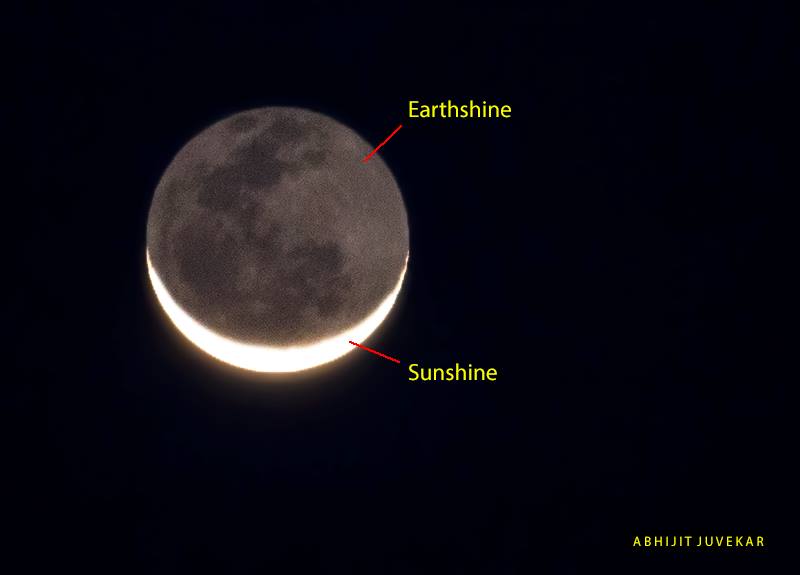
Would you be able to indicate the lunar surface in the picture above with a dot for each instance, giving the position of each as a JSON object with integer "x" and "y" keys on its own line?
{"x": 270, "y": 244}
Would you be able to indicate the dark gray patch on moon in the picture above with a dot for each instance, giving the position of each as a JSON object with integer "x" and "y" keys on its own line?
{"x": 267, "y": 228}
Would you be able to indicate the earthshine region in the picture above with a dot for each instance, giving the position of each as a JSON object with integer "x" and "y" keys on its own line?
{"x": 270, "y": 244}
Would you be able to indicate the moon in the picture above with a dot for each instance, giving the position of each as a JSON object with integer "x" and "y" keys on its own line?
{"x": 271, "y": 245}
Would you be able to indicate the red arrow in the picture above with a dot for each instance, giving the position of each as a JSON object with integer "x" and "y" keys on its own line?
{"x": 372, "y": 153}
{"x": 373, "y": 351}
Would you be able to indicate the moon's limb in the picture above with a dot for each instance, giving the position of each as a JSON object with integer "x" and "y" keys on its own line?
{"x": 264, "y": 358}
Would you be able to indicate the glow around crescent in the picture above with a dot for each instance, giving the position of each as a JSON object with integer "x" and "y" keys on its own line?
{"x": 263, "y": 358}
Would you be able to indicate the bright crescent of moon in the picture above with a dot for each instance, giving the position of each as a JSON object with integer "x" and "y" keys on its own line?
{"x": 263, "y": 358}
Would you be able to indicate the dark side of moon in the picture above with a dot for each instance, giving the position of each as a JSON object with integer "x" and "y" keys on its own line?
{"x": 267, "y": 228}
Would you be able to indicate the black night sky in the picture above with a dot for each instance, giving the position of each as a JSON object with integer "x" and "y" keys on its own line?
{"x": 611, "y": 250}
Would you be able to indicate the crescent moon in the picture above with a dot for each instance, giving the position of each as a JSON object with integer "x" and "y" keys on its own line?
{"x": 270, "y": 245}
{"x": 264, "y": 358}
